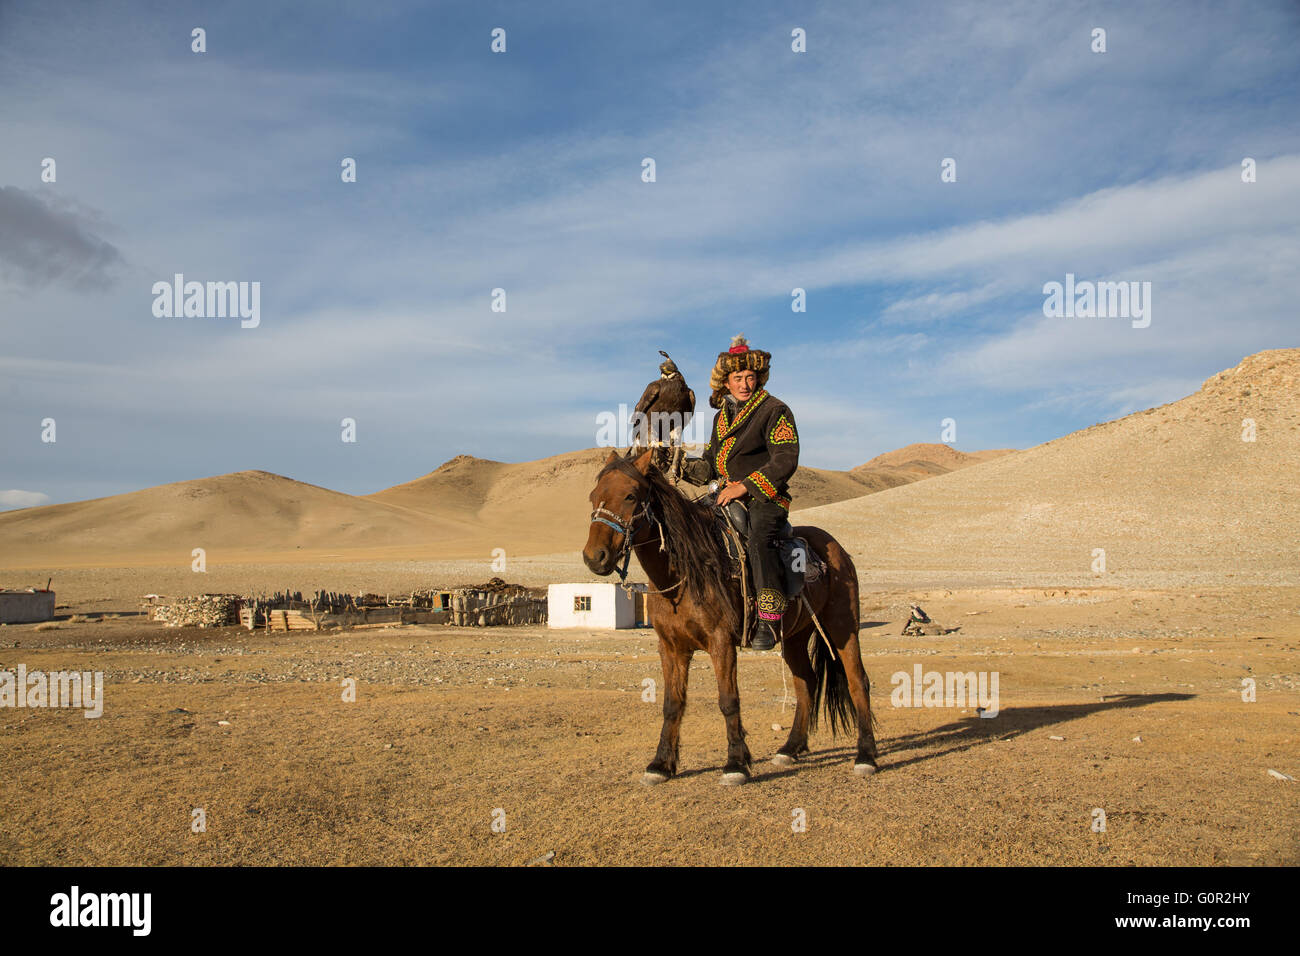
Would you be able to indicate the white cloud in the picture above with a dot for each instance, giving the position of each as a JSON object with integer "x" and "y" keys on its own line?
{"x": 774, "y": 172}
{"x": 1223, "y": 258}
{"x": 14, "y": 498}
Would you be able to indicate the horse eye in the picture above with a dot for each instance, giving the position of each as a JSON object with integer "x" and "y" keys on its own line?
{"x": 630, "y": 498}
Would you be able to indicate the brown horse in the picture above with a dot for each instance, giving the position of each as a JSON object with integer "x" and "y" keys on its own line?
{"x": 695, "y": 606}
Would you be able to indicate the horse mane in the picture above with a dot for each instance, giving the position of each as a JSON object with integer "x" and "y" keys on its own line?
{"x": 696, "y": 551}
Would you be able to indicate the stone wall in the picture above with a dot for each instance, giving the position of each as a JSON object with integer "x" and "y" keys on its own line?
{"x": 205, "y": 610}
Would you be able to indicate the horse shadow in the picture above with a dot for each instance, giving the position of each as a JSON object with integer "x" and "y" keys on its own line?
{"x": 959, "y": 735}
{"x": 1010, "y": 723}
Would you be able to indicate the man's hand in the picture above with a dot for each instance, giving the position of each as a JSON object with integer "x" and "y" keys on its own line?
{"x": 732, "y": 491}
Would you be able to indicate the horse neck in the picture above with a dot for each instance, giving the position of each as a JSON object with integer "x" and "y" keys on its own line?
{"x": 656, "y": 563}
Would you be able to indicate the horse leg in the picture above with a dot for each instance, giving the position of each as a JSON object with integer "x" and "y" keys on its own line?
{"x": 795, "y": 650}
{"x": 864, "y": 763}
{"x": 739, "y": 760}
{"x": 841, "y": 623}
{"x": 677, "y": 670}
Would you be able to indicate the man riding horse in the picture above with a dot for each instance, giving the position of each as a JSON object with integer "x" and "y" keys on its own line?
{"x": 638, "y": 510}
{"x": 754, "y": 447}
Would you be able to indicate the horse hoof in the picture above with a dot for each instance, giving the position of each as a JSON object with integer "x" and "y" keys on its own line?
{"x": 733, "y": 779}
{"x": 865, "y": 769}
{"x": 783, "y": 760}
{"x": 650, "y": 779}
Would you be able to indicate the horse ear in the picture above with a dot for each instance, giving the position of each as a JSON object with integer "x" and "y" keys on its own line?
{"x": 613, "y": 457}
{"x": 642, "y": 463}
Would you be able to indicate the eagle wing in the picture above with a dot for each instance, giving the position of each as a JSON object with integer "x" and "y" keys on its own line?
{"x": 648, "y": 397}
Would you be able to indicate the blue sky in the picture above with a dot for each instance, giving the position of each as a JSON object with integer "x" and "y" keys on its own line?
{"x": 522, "y": 171}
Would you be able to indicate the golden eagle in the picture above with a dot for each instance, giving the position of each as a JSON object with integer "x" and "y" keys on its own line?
{"x": 666, "y": 406}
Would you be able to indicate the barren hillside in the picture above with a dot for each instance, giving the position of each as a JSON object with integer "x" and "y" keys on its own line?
{"x": 1174, "y": 488}
{"x": 535, "y": 505}
{"x": 466, "y": 507}
{"x": 243, "y": 513}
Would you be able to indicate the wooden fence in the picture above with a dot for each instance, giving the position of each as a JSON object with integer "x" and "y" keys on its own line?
{"x": 465, "y": 607}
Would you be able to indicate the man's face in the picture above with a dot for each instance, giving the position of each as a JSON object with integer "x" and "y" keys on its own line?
{"x": 741, "y": 385}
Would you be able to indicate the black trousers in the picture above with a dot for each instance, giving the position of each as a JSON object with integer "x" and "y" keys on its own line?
{"x": 765, "y": 517}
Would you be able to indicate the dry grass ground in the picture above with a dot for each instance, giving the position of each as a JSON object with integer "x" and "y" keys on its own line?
{"x": 550, "y": 727}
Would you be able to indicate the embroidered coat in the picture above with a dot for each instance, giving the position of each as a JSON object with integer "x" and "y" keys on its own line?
{"x": 758, "y": 446}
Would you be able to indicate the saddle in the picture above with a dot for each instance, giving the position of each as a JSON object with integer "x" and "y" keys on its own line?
{"x": 800, "y": 564}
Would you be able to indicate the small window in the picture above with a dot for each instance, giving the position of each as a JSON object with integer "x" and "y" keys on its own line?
{"x": 582, "y": 603}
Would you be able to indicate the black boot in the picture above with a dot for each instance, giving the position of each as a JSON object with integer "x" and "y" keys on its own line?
{"x": 771, "y": 608}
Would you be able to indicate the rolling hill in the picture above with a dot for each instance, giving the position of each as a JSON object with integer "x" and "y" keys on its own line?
{"x": 240, "y": 514}
{"x": 466, "y": 507}
{"x": 1169, "y": 489}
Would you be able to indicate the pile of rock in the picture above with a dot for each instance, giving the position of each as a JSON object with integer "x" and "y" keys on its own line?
{"x": 204, "y": 610}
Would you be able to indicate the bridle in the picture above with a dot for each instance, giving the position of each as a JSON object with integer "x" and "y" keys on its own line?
{"x": 615, "y": 521}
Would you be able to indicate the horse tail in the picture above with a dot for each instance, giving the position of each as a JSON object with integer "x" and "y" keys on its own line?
{"x": 831, "y": 684}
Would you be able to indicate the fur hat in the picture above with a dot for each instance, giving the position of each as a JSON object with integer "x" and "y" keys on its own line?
{"x": 739, "y": 358}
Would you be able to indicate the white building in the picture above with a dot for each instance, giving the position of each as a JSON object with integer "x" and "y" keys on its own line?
{"x": 21, "y": 607}
{"x": 593, "y": 605}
